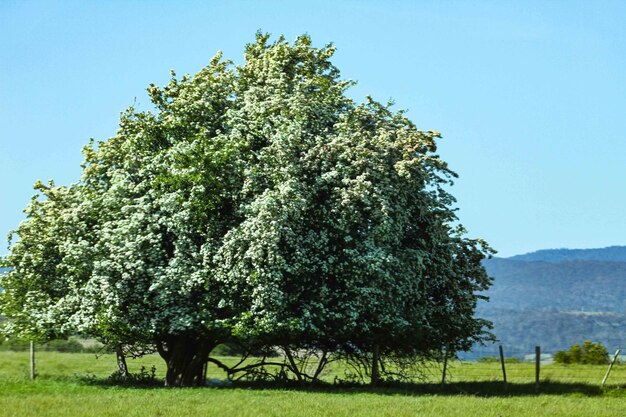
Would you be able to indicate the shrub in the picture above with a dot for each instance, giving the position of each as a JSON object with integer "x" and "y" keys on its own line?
{"x": 227, "y": 349}
{"x": 589, "y": 353}
{"x": 594, "y": 353}
{"x": 17, "y": 345}
{"x": 562, "y": 357}
{"x": 57, "y": 345}
{"x": 66, "y": 346}
{"x": 143, "y": 377}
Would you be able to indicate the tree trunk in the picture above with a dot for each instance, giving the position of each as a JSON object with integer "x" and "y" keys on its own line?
{"x": 185, "y": 357}
{"x": 375, "y": 359}
{"x": 121, "y": 361}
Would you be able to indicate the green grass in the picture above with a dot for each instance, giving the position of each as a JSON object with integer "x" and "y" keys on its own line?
{"x": 71, "y": 385}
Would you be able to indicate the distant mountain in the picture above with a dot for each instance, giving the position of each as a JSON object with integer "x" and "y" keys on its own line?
{"x": 519, "y": 331}
{"x": 555, "y": 298}
{"x": 598, "y": 286}
{"x": 612, "y": 253}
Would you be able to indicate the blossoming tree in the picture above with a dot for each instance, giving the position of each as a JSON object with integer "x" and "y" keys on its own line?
{"x": 255, "y": 203}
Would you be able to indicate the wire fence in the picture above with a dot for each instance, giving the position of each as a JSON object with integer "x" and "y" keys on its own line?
{"x": 524, "y": 366}
{"x": 515, "y": 366}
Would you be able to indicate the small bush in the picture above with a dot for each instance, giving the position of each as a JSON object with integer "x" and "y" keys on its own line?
{"x": 562, "y": 357}
{"x": 17, "y": 345}
{"x": 65, "y": 346}
{"x": 227, "y": 349}
{"x": 588, "y": 354}
{"x": 71, "y": 345}
{"x": 143, "y": 377}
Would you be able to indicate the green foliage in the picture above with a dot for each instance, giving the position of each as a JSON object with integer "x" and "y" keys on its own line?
{"x": 594, "y": 353}
{"x": 228, "y": 349}
{"x": 562, "y": 357}
{"x": 575, "y": 354}
{"x": 144, "y": 377}
{"x": 588, "y": 354}
{"x": 15, "y": 345}
{"x": 56, "y": 345}
{"x": 65, "y": 346}
{"x": 257, "y": 203}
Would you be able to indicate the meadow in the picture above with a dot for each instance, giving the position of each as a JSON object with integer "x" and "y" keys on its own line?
{"x": 74, "y": 384}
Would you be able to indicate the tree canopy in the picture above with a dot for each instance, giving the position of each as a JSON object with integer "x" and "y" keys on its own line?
{"x": 257, "y": 204}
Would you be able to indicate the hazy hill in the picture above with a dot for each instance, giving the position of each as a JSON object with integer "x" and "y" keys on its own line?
{"x": 555, "y": 298}
{"x": 612, "y": 253}
{"x": 520, "y": 331}
{"x": 566, "y": 285}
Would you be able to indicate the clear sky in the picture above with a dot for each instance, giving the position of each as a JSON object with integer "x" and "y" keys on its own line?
{"x": 529, "y": 96}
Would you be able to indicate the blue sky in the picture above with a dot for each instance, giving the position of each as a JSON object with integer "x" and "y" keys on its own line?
{"x": 529, "y": 96}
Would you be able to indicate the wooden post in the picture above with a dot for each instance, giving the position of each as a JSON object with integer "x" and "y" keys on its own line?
{"x": 375, "y": 360}
{"x": 608, "y": 371}
{"x": 537, "y": 366}
{"x": 32, "y": 361}
{"x": 502, "y": 363}
{"x": 445, "y": 367}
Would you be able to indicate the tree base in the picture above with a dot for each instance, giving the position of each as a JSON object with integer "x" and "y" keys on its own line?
{"x": 186, "y": 357}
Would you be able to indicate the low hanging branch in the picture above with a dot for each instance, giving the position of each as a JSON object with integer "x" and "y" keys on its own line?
{"x": 297, "y": 365}
{"x": 235, "y": 369}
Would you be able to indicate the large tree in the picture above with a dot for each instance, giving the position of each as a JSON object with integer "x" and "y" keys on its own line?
{"x": 255, "y": 203}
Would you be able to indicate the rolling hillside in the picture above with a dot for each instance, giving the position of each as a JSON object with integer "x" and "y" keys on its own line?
{"x": 566, "y": 285}
{"x": 612, "y": 253}
{"x": 555, "y": 298}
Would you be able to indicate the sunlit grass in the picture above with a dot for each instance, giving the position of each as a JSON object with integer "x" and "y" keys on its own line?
{"x": 63, "y": 388}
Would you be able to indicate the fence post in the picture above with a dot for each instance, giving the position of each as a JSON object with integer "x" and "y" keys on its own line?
{"x": 502, "y": 363}
{"x": 537, "y": 366}
{"x": 608, "y": 371}
{"x": 32, "y": 361}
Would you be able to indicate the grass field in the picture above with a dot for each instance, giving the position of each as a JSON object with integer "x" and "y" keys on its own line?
{"x": 73, "y": 385}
